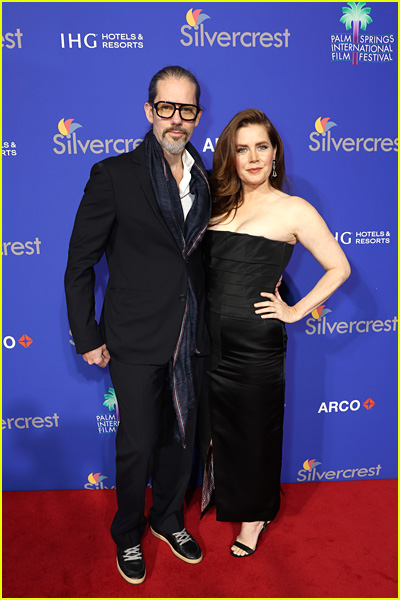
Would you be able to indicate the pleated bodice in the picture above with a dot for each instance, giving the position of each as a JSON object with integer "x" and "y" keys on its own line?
{"x": 239, "y": 267}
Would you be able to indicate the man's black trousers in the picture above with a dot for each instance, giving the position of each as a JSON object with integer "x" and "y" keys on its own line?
{"x": 146, "y": 448}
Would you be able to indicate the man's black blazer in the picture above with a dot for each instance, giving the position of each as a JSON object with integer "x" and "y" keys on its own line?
{"x": 148, "y": 277}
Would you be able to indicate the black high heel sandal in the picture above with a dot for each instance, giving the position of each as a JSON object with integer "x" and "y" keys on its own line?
{"x": 247, "y": 549}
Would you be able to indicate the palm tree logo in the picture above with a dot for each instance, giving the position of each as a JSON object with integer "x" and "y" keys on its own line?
{"x": 111, "y": 401}
{"x": 356, "y": 16}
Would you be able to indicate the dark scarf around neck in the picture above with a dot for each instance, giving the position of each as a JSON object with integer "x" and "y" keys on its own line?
{"x": 187, "y": 235}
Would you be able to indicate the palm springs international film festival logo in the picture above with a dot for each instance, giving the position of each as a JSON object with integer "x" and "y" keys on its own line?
{"x": 322, "y": 139}
{"x": 309, "y": 472}
{"x": 195, "y": 33}
{"x": 355, "y": 48}
{"x": 67, "y": 141}
{"x": 318, "y": 324}
{"x": 108, "y": 423}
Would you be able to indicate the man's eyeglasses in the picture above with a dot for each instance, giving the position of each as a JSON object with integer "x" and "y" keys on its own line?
{"x": 165, "y": 110}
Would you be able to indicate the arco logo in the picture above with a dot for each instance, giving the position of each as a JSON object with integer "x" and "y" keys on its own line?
{"x": 344, "y": 406}
{"x": 9, "y": 341}
{"x": 194, "y": 18}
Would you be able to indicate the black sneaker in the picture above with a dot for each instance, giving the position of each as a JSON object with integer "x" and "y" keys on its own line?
{"x": 130, "y": 563}
{"x": 182, "y": 545}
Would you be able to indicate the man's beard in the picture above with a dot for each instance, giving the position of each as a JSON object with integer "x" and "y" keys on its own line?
{"x": 174, "y": 146}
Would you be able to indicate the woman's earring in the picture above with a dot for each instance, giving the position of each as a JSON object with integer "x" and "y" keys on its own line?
{"x": 274, "y": 173}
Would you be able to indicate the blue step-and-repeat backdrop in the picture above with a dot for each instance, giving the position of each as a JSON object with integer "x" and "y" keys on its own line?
{"x": 75, "y": 80}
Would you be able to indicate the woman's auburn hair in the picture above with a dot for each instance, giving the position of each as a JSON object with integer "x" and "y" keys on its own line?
{"x": 226, "y": 187}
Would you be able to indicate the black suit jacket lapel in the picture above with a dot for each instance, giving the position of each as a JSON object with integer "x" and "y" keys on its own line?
{"x": 140, "y": 170}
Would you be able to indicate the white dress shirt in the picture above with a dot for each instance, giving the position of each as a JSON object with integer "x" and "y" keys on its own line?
{"x": 184, "y": 186}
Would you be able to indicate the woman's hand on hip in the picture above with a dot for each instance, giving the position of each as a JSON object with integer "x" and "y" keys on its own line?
{"x": 275, "y": 308}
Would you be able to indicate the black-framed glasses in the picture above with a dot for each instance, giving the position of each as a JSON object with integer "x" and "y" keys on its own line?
{"x": 165, "y": 110}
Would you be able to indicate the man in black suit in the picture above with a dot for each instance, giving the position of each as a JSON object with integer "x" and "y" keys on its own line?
{"x": 147, "y": 210}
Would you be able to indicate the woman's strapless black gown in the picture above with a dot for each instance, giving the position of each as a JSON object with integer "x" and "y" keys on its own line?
{"x": 246, "y": 375}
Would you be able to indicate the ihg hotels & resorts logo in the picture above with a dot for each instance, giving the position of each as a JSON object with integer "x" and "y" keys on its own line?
{"x": 356, "y": 47}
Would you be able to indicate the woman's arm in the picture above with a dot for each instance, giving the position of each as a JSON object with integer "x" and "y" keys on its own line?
{"x": 312, "y": 232}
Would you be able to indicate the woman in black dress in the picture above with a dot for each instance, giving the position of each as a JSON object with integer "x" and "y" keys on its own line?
{"x": 248, "y": 245}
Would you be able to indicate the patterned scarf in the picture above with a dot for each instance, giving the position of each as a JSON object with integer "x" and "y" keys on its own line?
{"x": 187, "y": 235}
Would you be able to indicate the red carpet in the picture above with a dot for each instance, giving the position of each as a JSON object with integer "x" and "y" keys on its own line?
{"x": 331, "y": 540}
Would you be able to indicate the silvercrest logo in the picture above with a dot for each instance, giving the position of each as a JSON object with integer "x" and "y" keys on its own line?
{"x": 10, "y": 41}
{"x": 323, "y": 140}
{"x": 67, "y": 141}
{"x": 194, "y": 33}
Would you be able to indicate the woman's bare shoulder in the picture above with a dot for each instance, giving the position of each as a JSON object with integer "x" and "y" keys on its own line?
{"x": 296, "y": 203}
